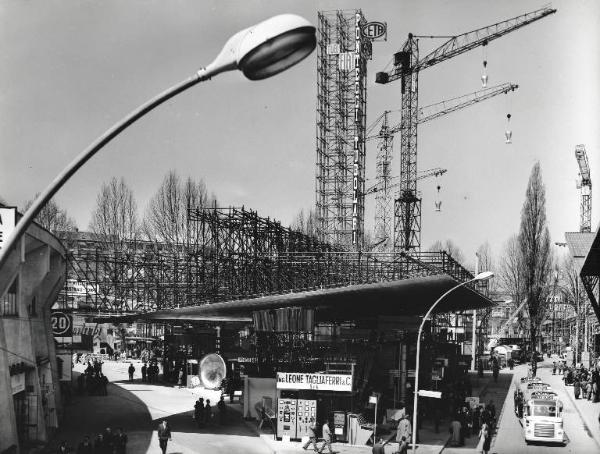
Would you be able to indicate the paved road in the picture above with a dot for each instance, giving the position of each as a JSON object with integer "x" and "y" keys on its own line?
{"x": 138, "y": 407}
{"x": 509, "y": 438}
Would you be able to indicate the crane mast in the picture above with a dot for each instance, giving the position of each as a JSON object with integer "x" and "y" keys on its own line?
{"x": 585, "y": 185}
{"x": 407, "y": 65}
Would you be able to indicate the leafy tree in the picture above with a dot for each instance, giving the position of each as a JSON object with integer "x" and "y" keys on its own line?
{"x": 52, "y": 217}
{"x": 535, "y": 254}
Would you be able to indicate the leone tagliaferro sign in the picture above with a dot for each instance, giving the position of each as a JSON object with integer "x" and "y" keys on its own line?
{"x": 319, "y": 382}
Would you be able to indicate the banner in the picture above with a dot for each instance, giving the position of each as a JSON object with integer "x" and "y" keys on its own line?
{"x": 319, "y": 382}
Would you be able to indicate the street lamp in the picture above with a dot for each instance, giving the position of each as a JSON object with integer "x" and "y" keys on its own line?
{"x": 261, "y": 51}
{"x": 484, "y": 276}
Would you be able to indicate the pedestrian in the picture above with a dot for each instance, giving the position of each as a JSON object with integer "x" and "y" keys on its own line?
{"x": 378, "y": 447}
{"x": 199, "y": 411}
{"x": 180, "y": 378}
{"x": 404, "y": 429}
{"x": 63, "y": 448}
{"x": 131, "y": 370}
{"x": 403, "y": 446}
{"x": 483, "y": 435}
{"x": 576, "y": 388}
{"x": 144, "y": 372}
{"x": 222, "y": 410}
{"x": 100, "y": 446}
{"x": 589, "y": 390}
{"x": 109, "y": 440}
{"x": 164, "y": 435}
{"x": 455, "y": 430}
{"x": 312, "y": 435}
{"x": 120, "y": 442}
{"x": 85, "y": 447}
{"x": 554, "y": 368}
{"x": 495, "y": 369}
{"x": 326, "y": 437}
{"x": 103, "y": 383}
{"x": 207, "y": 412}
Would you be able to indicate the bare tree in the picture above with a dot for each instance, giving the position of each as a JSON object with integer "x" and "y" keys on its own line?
{"x": 510, "y": 277}
{"x": 166, "y": 217}
{"x": 52, "y": 217}
{"x": 535, "y": 254}
{"x": 305, "y": 222}
{"x": 115, "y": 220}
{"x": 450, "y": 247}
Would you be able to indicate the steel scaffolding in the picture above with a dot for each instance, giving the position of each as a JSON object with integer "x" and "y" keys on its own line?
{"x": 235, "y": 254}
{"x": 342, "y": 55}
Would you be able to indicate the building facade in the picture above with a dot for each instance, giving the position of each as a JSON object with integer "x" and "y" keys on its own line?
{"x": 30, "y": 402}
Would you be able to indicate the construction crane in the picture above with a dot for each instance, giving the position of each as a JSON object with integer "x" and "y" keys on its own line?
{"x": 585, "y": 185}
{"x": 406, "y": 67}
{"x": 435, "y": 172}
{"x": 384, "y": 185}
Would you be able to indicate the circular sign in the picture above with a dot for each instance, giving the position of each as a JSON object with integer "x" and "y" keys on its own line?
{"x": 61, "y": 323}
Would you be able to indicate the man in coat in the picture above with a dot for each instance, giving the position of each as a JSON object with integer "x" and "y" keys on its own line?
{"x": 312, "y": 435}
{"x": 164, "y": 435}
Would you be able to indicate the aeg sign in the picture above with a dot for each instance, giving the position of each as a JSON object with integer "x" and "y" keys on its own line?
{"x": 374, "y": 30}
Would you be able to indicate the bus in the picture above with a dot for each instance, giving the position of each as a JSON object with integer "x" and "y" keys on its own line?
{"x": 542, "y": 418}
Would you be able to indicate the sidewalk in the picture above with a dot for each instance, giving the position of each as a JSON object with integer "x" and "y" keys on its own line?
{"x": 588, "y": 411}
{"x": 489, "y": 391}
{"x": 430, "y": 441}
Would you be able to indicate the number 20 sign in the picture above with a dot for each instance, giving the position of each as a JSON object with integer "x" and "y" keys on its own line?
{"x": 62, "y": 324}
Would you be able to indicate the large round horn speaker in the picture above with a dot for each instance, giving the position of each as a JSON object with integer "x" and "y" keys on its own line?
{"x": 212, "y": 371}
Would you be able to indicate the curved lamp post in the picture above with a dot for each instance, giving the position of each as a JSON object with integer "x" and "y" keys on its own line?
{"x": 480, "y": 277}
{"x": 261, "y": 51}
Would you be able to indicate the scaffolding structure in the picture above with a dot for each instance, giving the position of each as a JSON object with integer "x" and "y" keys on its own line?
{"x": 235, "y": 254}
{"x": 342, "y": 55}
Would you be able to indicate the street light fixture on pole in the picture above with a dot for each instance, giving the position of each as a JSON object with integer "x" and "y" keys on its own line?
{"x": 261, "y": 51}
{"x": 484, "y": 276}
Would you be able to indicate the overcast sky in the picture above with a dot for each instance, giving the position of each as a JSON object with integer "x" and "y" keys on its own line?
{"x": 70, "y": 68}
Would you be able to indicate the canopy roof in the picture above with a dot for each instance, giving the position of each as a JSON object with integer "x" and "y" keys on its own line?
{"x": 407, "y": 297}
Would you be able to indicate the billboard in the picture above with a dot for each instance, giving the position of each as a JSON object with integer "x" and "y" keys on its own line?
{"x": 318, "y": 382}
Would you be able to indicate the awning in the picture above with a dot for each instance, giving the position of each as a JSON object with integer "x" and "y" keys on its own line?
{"x": 590, "y": 272}
{"x": 407, "y": 297}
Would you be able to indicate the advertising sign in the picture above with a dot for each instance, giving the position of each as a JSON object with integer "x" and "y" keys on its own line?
{"x": 8, "y": 217}
{"x": 427, "y": 393}
{"x": 320, "y": 382}
{"x": 17, "y": 382}
{"x": 374, "y": 30}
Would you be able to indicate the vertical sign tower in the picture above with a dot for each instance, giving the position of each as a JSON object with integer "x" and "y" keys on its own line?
{"x": 342, "y": 54}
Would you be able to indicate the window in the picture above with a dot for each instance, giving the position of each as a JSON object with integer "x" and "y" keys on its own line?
{"x": 8, "y": 303}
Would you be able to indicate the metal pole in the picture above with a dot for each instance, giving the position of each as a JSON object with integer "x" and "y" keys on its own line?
{"x": 416, "y": 392}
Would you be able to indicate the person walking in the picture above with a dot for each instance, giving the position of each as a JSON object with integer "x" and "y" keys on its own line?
{"x": 207, "y": 412}
{"x": 403, "y": 446}
{"x": 404, "y": 429}
{"x": 312, "y": 435}
{"x": 326, "y": 437}
{"x": 495, "y": 369}
{"x": 86, "y": 446}
{"x": 222, "y": 410}
{"x": 144, "y": 372}
{"x": 164, "y": 435}
{"x": 131, "y": 370}
{"x": 120, "y": 442}
{"x": 199, "y": 412}
{"x": 483, "y": 435}
{"x": 576, "y": 388}
{"x": 63, "y": 448}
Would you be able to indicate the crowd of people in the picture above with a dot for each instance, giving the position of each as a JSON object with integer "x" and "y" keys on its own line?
{"x": 203, "y": 412}
{"x": 586, "y": 383}
{"x": 479, "y": 421}
{"x": 106, "y": 442}
{"x": 93, "y": 381}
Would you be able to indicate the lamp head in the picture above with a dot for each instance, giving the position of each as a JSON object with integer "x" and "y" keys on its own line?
{"x": 266, "y": 49}
{"x": 484, "y": 276}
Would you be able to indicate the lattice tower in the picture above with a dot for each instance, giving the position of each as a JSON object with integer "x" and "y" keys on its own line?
{"x": 341, "y": 124}
{"x": 383, "y": 197}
